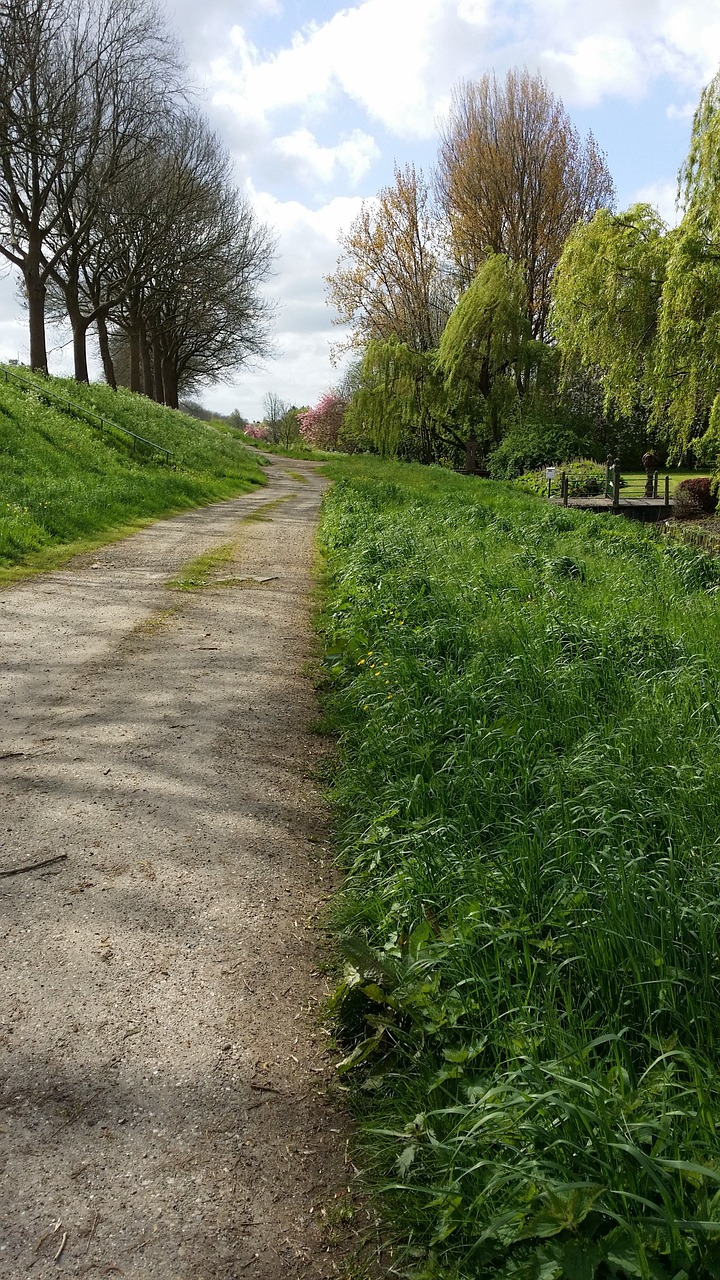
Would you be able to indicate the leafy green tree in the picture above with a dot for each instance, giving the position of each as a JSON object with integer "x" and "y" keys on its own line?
{"x": 688, "y": 361}
{"x": 486, "y": 350}
{"x": 401, "y": 405}
{"x": 607, "y": 291}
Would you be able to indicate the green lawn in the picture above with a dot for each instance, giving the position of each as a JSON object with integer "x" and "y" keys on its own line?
{"x": 527, "y": 805}
{"x": 635, "y": 481}
{"x": 65, "y": 484}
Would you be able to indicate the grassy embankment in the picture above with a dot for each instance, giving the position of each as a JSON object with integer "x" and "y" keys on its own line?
{"x": 66, "y": 486}
{"x": 528, "y": 809}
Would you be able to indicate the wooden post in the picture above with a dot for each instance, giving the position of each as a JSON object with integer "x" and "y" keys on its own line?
{"x": 656, "y": 477}
{"x": 616, "y": 483}
{"x": 564, "y": 488}
{"x": 608, "y": 468}
{"x": 667, "y": 491}
{"x": 549, "y": 486}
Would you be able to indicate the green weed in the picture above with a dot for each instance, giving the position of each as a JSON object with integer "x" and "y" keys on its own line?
{"x": 197, "y": 573}
{"x": 262, "y": 514}
{"x": 528, "y": 809}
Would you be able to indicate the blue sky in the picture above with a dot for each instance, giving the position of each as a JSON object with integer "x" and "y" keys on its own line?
{"x": 316, "y": 102}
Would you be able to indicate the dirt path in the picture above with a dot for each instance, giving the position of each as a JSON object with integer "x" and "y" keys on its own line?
{"x": 163, "y": 1079}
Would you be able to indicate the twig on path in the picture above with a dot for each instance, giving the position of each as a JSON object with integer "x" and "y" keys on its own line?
{"x": 92, "y": 1232}
{"x": 63, "y": 1242}
{"x": 265, "y": 1088}
{"x": 11, "y": 755}
{"x": 35, "y": 866}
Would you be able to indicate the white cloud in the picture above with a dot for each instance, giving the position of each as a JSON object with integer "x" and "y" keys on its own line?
{"x": 354, "y": 155}
{"x": 398, "y": 59}
{"x": 621, "y": 48}
{"x": 662, "y": 196}
{"x": 394, "y": 58}
{"x": 684, "y": 112}
{"x": 596, "y": 66}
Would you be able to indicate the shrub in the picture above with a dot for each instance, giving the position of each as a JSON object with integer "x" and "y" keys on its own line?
{"x": 696, "y": 496}
{"x": 585, "y": 478}
{"x": 528, "y": 445}
{"x": 256, "y": 431}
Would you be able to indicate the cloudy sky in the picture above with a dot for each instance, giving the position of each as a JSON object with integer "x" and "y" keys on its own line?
{"x": 316, "y": 102}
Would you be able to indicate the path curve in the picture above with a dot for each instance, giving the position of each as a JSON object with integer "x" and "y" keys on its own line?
{"x": 163, "y": 1075}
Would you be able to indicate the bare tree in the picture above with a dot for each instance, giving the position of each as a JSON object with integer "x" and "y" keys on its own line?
{"x": 77, "y": 84}
{"x": 390, "y": 282}
{"x": 188, "y": 262}
{"x": 275, "y": 411}
{"x": 514, "y": 178}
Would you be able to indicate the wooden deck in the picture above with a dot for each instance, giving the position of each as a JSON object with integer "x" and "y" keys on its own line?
{"x": 647, "y": 509}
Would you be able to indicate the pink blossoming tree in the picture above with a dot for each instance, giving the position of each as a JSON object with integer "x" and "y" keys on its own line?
{"x": 320, "y": 427}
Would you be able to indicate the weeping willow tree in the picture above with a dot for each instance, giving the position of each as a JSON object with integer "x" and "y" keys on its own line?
{"x": 400, "y": 402}
{"x": 687, "y": 379}
{"x": 606, "y": 295}
{"x": 486, "y": 351}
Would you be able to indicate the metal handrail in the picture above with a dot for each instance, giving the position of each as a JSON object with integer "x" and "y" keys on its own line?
{"x": 81, "y": 411}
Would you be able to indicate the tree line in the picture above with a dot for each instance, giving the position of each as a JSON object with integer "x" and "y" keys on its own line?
{"x": 117, "y": 202}
{"x": 639, "y": 303}
{"x": 502, "y": 305}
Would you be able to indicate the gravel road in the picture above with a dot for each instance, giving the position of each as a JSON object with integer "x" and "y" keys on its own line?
{"x": 163, "y": 1070}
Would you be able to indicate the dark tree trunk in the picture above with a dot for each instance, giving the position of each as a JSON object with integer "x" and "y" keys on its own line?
{"x": 471, "y": 456}
{"x": 147, "y": 368}
{"x": 36, "y": 291}
{"x": 134, "y": 345}
{"x": 157, "y": 369}
{"x": 79, "y": 330}
{"x": 104, "y": 343}
{"x": 170, "y": 383}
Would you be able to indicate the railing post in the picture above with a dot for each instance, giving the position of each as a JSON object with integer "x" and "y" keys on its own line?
{"x": 564, "y": 488}
{"x": 656, "y": 477}
{"x": 608, "y": 467}
{"x": 616, "y": 483}
{"x": 667, "y": 491}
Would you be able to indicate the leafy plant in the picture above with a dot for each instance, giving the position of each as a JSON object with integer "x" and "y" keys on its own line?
{"x": 695, "y": 496}
{"x": 585, "y": 478}
{"x": 530, "y": 1004}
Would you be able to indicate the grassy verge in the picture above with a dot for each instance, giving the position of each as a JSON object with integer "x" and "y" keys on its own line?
{"x": 300, "y": 451}
{"x": 528, "y": 808}
{"x": 65, "y": 486}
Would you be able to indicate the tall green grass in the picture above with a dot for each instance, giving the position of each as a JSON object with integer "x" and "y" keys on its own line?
{"x": 528, "y": 809}
{"x": 62, "y": 480}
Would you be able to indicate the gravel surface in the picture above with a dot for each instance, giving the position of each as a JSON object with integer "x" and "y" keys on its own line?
{"x": 163, "y": 1070}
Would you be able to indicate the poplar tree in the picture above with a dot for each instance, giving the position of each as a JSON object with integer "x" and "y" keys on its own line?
{"x": 513, "y": 178}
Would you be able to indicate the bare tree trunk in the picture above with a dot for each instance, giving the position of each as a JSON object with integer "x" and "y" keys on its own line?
{"x": 170, "y": 383}
{"x": 134, "y": 345}
{"x": 158, "y": 371}
{"x": 147, "y": 368}
{"x": 104, "y": 343}
{"x": 36, "y": 292}
{"x": 79, "y": 330}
